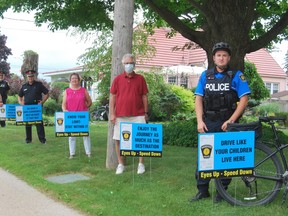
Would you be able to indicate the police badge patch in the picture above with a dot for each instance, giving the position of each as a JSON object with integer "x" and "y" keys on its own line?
{"x": 242, "y": 77}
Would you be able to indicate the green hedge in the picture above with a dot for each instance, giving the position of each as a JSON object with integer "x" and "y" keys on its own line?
{"x": 51, "y": 106}
{"x": 181, "y": 133}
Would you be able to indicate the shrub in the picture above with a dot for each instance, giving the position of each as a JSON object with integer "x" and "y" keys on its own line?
{"x": 163, "y": 102}
{"x": 56, "y": 94}
{"x": 186, "y": 97}
{"x": 60, "y": 85}
{"x": 12, "y": 99}
{"x": 266, "y": 109}
{"x": 268, "y": 136}
{"x": 256, "y": 84}
{"x": 48, "y": 120}
{"x": 267, "y": 133}
{"x": 283, "y": 114}
{"x": 51, "y": 106}
{"x": 181, "y": 133}
{"x": 183, "y": 116}
{"x": 252, "y": 103}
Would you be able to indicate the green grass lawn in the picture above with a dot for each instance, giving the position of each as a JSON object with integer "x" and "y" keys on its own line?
{"x": 163, "y": 190}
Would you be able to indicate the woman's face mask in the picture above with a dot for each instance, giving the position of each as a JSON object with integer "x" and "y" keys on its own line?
{"x": 129, "y": 68}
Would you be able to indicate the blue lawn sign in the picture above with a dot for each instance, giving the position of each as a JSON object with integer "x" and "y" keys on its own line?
{"x": 74, "y": 124}
{"x": 3, "y": 112}
{"x": 225, "y": 154}
{"x": 28, "y": 114}
{"x": 140, "y": 140}
{"x": 8, "y": 112}
{"x": 11, "y": 112}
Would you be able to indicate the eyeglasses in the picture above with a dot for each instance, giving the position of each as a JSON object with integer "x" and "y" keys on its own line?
{"x": 129, "y": 63}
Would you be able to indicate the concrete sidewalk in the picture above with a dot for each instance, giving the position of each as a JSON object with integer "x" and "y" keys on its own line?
{"x": 17, "y": 198}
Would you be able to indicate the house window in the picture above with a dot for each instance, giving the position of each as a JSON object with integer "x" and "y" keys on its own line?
{"x": 275, "y": 88}
{"x": 172, "y": 79}
{"x": 184, "y": 82}
{"x": 272, "y": 87}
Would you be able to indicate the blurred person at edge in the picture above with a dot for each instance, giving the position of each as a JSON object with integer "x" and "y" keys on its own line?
{"x": 4, "y": 88}
{"x": 33, "y": 92}
{"x": 129, "y": 103}
{"x": 221, "y": 98}
{"x": 76, "y": 98}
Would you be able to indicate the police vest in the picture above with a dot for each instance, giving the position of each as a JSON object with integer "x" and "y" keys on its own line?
{"x": 3, "y": 90}
{"x": 219, "y": 95}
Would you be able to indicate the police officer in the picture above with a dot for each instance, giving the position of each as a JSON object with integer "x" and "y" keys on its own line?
{"x": 33, "y": 92}
{"x": 221, "y": 98}
{"x": 4, "y": 88}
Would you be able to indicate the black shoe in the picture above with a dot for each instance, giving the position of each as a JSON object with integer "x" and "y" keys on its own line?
{"x": 200, "y": 195}
{"x": 43, "y": 141}
{"x": 28, "y": 141}
{"x": 218, "y": 198}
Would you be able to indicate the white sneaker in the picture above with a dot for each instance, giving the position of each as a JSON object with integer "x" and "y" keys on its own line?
{"x": 120, "y": 169}
{"x": 141, "y": 168}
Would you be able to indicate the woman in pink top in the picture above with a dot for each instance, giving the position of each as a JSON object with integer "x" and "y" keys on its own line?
{"x": 76, "y": 98}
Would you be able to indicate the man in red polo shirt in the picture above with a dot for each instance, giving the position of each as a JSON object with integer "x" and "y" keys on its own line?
{"x": 129, "y": 103}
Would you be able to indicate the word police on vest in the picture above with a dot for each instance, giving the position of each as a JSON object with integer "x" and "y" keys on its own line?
{"x": 218, "y": 86}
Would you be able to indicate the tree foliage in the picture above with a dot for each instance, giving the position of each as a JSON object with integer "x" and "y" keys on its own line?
{"x": 4, "y": 54}
{"x": 163, "y": 102}
{"x": 247, "y": 25}
{"x": 15, "y": 83}
{"x": 187, "y": 98}
{"x": 66, "y": 13}
{"x": 258, "y": 90}
{"x": 97, "y": 59}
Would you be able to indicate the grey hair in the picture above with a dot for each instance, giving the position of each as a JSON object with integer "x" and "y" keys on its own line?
{"x": 128, "y": 55}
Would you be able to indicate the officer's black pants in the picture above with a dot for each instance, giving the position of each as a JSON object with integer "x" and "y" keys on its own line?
{"x": 40, "y": 132}
{"x": 2, "y": 123}
{"x": 203, "y": 184}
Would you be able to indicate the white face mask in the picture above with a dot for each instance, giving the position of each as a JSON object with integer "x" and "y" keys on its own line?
{"x": 129, "y": 68}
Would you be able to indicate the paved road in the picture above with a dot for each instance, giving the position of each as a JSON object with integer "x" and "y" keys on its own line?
{"x": 17, "y": 198}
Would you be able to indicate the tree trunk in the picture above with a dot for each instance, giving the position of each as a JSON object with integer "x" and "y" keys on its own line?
{"x": 122, "y": 44}
{"x": 30, "y": 62}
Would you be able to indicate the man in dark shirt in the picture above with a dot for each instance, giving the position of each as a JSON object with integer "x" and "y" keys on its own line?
{"x": 4, "y": 88}
{"x": 33, "y": 92}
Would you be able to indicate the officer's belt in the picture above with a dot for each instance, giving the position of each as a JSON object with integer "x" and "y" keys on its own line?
{"x": 218, "y": 115}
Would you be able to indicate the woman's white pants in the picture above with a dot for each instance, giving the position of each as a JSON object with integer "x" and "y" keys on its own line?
{"x": 86, "y": 141}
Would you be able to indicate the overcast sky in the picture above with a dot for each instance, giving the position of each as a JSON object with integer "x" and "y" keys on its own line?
{"x": 279, "y": 53}
{"x": 57, "y": 50}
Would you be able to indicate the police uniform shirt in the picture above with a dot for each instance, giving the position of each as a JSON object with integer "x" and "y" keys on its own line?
{"x": 4, "y": 87}
{"x": 239, "y": 84}
{"x": 33, "y": 93}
